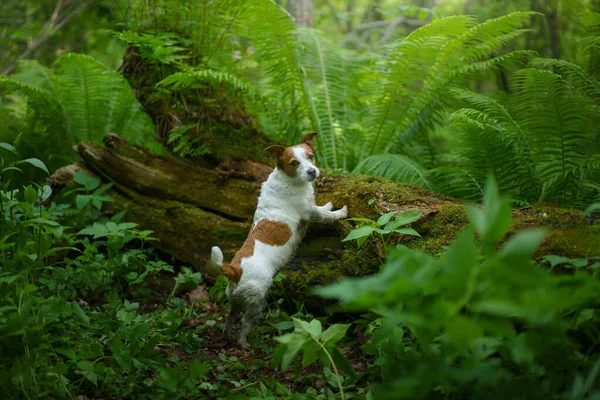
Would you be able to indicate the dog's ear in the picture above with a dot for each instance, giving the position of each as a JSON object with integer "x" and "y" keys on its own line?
{"x": 276, "y": 151}
{"x": 309, "y": 140}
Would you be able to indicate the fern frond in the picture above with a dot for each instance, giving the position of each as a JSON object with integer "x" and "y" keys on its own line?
{"x": 487, "y": 149}
{"x": 588, "y": 85}
{"x": 97, "y": 101}
{"x": 498, "y": 114}
{"x": 395, "y": 167}
{"x": 510, "y": 60}
{"x": 591, "y": 22}
{"x": 335, "y": 91}
{"x": 41, "y": 122}
{"x": 405, "y": 70}
{"x": 271, "y": 30}
{"x": 44, "y": 108}
{"x": 195, "y": 78}
{"x": 421, "y": 66}
{"x": 161, "y": 48}
{"x": 35, "y": 74}
{"x": 456, "y": 182}
{"x": 556, "y": 117}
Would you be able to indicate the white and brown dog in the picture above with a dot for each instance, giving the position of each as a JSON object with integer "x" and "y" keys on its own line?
{"x": 285, "y": 204}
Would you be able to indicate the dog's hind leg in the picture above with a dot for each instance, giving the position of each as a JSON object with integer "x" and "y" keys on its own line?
{"x": 233, "y": 317}
{"x": 254, "y": 306}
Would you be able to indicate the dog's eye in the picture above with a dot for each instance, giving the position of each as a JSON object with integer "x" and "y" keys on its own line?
{"x": 311, "y": 156}
{"x": 294, "y": 163}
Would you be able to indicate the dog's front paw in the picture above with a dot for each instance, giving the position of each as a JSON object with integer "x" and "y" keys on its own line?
{"x": 342, "y": 212}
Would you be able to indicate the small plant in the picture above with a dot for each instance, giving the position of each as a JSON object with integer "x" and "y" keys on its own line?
{"x": 391, "y": 222}
{"x": 315, "y": 344}
{"x": 186, "y": 278}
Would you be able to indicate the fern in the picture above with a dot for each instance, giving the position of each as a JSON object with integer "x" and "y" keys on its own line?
{"x": 421, "y": 66}
{"x": 501, "y": 124}
{"x": 97, "y": 101}
{"x": 591, "y": 52}
{"x": 335, "y": 89}
{"x": 556, "y": 118}
{"x": 271, "y": 30}
{"x": 396, "y": 167}
{"x": 41, "y": 123}
{"x": 200, "y": 78}
{"x": 161, "y": 48}
{"x": 78, "y": 99}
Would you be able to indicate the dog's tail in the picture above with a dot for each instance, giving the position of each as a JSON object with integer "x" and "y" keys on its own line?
{"x": 233, "y": 272}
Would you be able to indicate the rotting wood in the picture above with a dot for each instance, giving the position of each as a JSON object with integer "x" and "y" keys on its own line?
{"x": 191, "y": 208}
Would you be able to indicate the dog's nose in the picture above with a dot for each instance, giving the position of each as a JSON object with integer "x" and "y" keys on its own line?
{"x": 311, "y": 172}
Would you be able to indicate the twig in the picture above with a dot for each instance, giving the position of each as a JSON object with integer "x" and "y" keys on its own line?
{"x": 52, "y": 29}
{"x": 399, "y": 21}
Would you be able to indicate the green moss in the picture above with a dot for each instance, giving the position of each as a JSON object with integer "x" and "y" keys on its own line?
{"x": 230, "y": 234}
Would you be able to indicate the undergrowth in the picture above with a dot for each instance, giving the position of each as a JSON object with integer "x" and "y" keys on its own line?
{"x": 89, "y": 309}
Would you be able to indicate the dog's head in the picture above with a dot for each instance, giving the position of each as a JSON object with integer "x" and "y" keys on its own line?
{"x": 298, "y": 161}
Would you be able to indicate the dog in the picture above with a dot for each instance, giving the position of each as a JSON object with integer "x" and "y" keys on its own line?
{"x": 286, "y": 203}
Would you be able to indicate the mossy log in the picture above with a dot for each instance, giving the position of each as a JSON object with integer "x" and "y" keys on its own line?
{"x": 192, "y": 208}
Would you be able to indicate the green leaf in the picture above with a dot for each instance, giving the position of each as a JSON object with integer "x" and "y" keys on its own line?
{"x": 169, "y": 378}
{"x": 292, "y": 343}
{"x": 342, "y": 362}
{"x": 315, "y": 328}
{"x": 521, "y": 247}
{"x": 405, "y": 218}
{"x": 42, "y": 221}
{"x": 87, "y": 368}
{"x": 495, "y": 219}
{"x": 30, "y": 195}
{"x": 592, "y": 209}
{"x": 521, "y": 351}
{"x": 368, "y": 220}
{"x": 199, "y": 369}
{"x": 363, "y": 231}
{"x": 385, "y": 218}
{"x": 311, "y": 354}
{"x": 8, "y": 147}
{"x": 334, "y": 334}
{"x": 555, "y": 260}
{"x": 407, "y": 231}
{"x": 36, "y": 163}
{"x": 89, "y": 182}
{"x": 79, "y": 314}
{"x": 82, "y": 200}
{"x": 12, "y": 169}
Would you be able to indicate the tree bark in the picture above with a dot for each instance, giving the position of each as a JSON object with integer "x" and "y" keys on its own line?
{"x": 303, "y": 12}
{"x": 191, "y": 208}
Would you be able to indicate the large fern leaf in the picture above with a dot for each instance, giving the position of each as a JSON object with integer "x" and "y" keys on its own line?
{"x": 421, "y": 66}
{"x": 97, "y": 101}
{"x": 335, "y": 93}
{"x": 395, "y": 167}
{"x": 272, "y": 32}
{"x": 557, "y": 118}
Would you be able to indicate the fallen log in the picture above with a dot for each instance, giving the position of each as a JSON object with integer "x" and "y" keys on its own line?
{"x": 190, "y": 208}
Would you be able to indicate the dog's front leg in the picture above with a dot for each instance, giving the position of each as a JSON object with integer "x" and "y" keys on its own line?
{"x": 324, "y": 213}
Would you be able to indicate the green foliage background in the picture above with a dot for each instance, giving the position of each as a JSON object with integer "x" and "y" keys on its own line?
{"x": 443, "y": 95}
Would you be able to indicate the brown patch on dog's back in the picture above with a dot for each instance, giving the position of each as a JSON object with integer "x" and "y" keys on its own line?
{"x": 273, "y": 233}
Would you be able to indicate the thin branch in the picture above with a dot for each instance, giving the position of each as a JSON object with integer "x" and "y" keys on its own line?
{"x": 51, "y": 31}
{"x": 399, "y": 21}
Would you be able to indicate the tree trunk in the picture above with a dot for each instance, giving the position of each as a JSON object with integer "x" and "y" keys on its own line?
{"x": 303, "y": 12}
{"x": 191, "y": 208}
